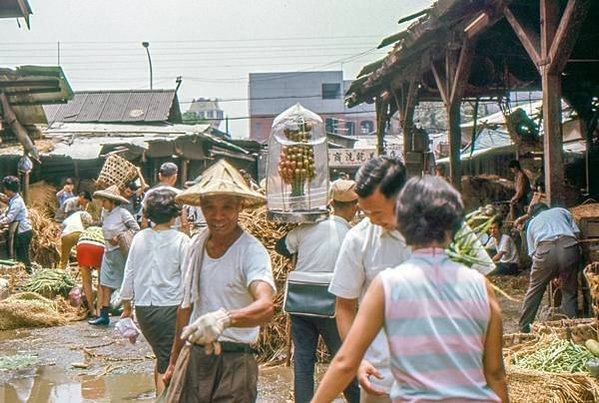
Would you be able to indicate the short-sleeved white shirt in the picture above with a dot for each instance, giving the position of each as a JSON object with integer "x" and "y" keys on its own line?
{"x": 317, "y": 245}
{"x": 366, "y": 251}
{"x": 507, "y": 246}
{"x": 225, "y": 283}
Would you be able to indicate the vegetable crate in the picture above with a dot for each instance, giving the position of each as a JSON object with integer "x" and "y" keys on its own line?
{"x": 534, "y": 369}
{"x": 577, "y": 330}
{"x": 591, "y": 272}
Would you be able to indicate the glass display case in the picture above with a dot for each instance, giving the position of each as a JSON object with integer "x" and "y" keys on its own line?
{"x": 297, "y": 169}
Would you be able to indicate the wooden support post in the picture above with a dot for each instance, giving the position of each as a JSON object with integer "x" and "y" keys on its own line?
{"x": 455, "y": 145}
{"x": 406, "y": 107}
{"x": 381, "y": 112}
{"x": 552, "y": 107}
{"x": 184, "y": 171}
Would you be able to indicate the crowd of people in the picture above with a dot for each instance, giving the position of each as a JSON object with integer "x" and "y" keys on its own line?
{"x": 408, "y": 323}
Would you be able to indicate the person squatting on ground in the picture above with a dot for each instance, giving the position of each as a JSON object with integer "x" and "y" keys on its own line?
{"x": 370, "y": 247}
{"x": 116, "y": 222}
{"x": 90, "y": 250}
{"x": 552, "y": 239}
{"x": 72, "y": 228}
{"x": 441, "y": 318}
{"x": 506, "y": 253}
{"x": 17, "y": 213}
{"x": 154, "y": 278}
{"x": 228, "y": 294}
{"x": 317, "y": 247}
{"x": 67, "y": 191}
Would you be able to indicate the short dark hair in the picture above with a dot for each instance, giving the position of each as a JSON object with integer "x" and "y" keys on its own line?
{"x": 514, "y": 164}
{"x": 11, "y": 183}
{"x": 133, "y": 186}
{"x": 385, "y": 173}
{"x": 537, "y": 208}
{"x": 161, "y": 207}
{"x": 168, "y": 169}
{"x": 86, "y": 195}
{"x": 498, "y": 220}
{"x": 427, "y": 208}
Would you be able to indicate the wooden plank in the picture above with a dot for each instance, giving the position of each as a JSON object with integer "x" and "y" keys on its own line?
{"x": 380, "y": 125}
{"x": 529, "y": 38}
{"x": 462, "y": 72}
{"x": 566, "y": 34}
{"x": 549, "y": 23}
{"x": 440, "y": 84}
{"x": 455, "y": 139}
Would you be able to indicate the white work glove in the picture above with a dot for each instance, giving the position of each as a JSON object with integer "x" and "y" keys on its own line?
{"x": 206, "y": 329}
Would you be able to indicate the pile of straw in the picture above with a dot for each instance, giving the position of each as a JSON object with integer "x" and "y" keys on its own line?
{"x": 273, "y": 343}
{"x": 42, "y": 197}
{"x": 45, "y": 245}
{"x": 29, "y": 309}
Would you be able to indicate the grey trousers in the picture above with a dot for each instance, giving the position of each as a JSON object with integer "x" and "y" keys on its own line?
{"x": 559, "y": 258}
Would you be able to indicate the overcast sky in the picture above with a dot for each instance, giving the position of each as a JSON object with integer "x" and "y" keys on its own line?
{"x": 212, "y": 44}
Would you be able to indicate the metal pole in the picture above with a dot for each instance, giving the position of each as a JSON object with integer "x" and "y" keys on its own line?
{"x": 147, "y": 46}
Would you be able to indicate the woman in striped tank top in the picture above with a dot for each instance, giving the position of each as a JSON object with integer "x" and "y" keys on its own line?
{"x": 442, "y": 319}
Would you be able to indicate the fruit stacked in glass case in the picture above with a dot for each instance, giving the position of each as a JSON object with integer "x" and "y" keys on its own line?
{"x": 297, "y": 186}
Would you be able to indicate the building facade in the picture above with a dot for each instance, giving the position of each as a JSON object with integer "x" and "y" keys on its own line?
{"x": 209, "y": 110}
{"x": 320, "y": 91}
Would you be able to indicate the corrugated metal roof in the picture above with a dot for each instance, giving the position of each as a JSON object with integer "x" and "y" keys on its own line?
{"x": 115, "y": 106}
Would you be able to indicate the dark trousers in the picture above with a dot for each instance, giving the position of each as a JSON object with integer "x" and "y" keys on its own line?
{"x": 304, "y": 332}
{"x": 224, "y": 378}
{"x": 22, "y": 242}
{"x": 550, "y": 260}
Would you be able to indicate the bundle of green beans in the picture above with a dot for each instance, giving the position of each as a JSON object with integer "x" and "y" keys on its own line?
{"x": 558, "y": 356}
{"x": 462, "y": 249}
{"x": 49, "y": 283}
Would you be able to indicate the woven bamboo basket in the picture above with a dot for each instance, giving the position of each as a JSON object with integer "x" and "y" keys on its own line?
{"x": 577, "y": 330}
{"x": 591, "y": 272}
{"x": 116, "y": 171}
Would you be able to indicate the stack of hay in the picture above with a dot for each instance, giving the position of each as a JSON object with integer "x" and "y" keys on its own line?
{"x": 42, "y": 197}
{"x": 29, "y": 309}
{"x": 45, "y": 245}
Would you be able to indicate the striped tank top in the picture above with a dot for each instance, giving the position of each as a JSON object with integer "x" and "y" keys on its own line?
{"x": 436, "y": 317}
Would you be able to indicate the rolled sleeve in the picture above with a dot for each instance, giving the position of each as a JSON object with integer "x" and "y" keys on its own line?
{"x": 348, "y": 276}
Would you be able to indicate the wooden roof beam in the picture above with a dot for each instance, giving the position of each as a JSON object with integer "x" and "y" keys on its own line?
{"x": 528, "y": 37}
{"x": 440, "y": 80}
{"x": 566, "y": 35}
{"x": 462, "y": 72}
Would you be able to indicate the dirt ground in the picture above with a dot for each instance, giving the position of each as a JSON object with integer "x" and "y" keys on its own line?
{"x": 80, "y": 363}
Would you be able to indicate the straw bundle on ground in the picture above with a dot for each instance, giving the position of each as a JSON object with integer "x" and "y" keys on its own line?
{"x": 29, "y": 309}
{"x": 273, "y": 337}
{"x": 577, "y": 330}
{"x": 42, "y": 197}
{"x": 45, "y": 245}
{"x": 591, "y": 272}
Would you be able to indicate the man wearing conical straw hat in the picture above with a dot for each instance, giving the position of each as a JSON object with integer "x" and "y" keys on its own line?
{"x": 228, "y": 295}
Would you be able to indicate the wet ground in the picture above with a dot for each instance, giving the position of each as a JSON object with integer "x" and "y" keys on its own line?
{"x": 80, "y": 363}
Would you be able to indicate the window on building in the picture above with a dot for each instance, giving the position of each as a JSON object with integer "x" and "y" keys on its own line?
{"x": 350, "y": 128}
{"x": 220, "y": 114}
{"x": 209, "y": 114}
{"x": 258, "y": 129}
{"x": 331, "y": 91}
{"x": 201, "y": 115}
{"x": 366, "y": 127}
{"x": 330, "y": 125}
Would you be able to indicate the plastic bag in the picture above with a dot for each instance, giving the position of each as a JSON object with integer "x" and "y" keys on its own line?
{"x": 76, "y": 297}
{"x": 126, "y": 328}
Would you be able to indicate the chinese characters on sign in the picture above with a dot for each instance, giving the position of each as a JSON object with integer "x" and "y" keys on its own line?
{"x": 347, "y": 157}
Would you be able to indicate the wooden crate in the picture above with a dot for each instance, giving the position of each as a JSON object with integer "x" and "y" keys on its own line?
{"x": 589, "y": 226}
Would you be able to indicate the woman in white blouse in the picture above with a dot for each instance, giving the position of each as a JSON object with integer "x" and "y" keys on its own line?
{"x": 154, "y": 277}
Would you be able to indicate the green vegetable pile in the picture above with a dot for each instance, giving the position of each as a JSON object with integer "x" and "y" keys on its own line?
{"x": 557, "y": 356}
{"x": 50, "y": 283}
{"x": 462, "y": 249}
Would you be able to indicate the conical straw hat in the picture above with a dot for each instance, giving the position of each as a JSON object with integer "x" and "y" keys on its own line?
{"x": 112, "y": 193}
{"x": 221, "y": 179}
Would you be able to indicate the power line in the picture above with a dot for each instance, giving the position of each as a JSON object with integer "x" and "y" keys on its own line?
{"x": 274, "y": 116}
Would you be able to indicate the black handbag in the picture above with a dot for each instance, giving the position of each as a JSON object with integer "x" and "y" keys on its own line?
{"x": 307, "y": 294}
